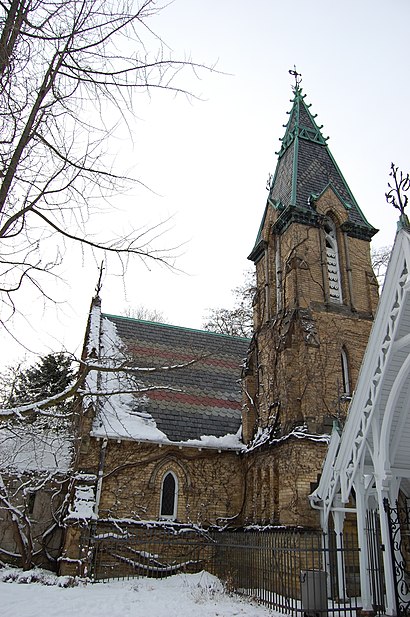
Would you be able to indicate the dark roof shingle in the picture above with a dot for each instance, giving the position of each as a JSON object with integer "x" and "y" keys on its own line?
{"x": 206, "y": 399}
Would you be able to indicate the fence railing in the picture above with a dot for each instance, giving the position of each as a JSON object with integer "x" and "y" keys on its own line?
{"x": 295, "y": 571}
{"x": 152, "y": 550}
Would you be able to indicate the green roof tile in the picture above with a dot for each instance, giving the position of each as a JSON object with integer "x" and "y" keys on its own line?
{"x": 305, "y": 168}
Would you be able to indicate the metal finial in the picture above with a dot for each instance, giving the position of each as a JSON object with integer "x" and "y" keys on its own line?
{"x": 396, "y": 194}
{"x": 297, "y": 76}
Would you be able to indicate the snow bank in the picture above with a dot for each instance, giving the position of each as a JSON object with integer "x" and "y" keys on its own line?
{"x": 37, "y": 575}
{"x": 200, "y": 594}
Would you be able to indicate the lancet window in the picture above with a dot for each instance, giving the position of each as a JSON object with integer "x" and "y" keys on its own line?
{"x": 169, "y": 496}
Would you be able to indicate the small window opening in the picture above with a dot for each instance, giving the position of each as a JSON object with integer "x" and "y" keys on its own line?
{"x": 332, "y": 261}
{"x": 30, "y": 501}
{"x": 345, "y": 373}
{"x": 169, "y": 496}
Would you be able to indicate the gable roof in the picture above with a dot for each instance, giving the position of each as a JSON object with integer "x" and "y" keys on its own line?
{"x": 305, "y": 168}
{"x": 201, "y": 398}
{"x": 376, "y": 438}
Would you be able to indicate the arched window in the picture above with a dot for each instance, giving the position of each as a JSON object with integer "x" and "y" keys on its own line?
{"x": 169, "y": 496}
{"x": 332, "y": 261}
{"x": 345, "y": 373}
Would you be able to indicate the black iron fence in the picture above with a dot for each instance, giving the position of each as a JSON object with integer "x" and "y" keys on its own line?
{"x": 149, "y": 549}
{"x": 398, "y": 516}
{"x": 295, "y": 571}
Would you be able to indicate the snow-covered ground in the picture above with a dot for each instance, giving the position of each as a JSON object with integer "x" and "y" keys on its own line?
{"x": 183, "y": 595}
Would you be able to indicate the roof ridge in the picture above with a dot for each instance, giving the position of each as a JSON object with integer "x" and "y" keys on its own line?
{"x": 175, "y": 327}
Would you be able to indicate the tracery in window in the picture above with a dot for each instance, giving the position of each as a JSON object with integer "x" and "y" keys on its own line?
{"x": 332, "y": 261}
{"x": 169, "y": 496}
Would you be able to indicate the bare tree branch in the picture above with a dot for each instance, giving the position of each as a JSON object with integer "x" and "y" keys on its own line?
{"x": 68, "y": 73}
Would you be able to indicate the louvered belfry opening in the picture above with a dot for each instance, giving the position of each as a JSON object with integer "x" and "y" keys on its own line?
{"x": 332, "y": 261}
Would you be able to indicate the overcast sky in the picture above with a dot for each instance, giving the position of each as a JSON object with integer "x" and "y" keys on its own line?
{"x": 208, "y": 158}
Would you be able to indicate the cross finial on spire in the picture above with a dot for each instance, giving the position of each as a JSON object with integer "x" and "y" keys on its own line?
{"x": 297, "y": 76}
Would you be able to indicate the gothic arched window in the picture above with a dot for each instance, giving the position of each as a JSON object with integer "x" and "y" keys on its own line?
{"x": 332, "y": 262}
{"x": 345, "y": 372}
{"x": 169, "y": 496}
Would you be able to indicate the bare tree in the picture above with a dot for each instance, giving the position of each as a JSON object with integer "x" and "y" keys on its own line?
{"x": 68, "y": 73}
{"x": 41, "y": 413}
{"x": 36, "y": 453}
{"x": 380, "y": 259}
{"x": 145, "y": 313}
{"x": 237, "y": 321}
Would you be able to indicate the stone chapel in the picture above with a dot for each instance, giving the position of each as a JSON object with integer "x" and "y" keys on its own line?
{"x": 238, "y": 433}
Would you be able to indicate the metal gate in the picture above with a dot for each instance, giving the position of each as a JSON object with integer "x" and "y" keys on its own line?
{"x": 399, "y": 531}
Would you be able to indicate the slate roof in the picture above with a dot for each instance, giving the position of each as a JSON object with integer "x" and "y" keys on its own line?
{"x": 208, "y": 400}
{"x": 305, "y": 169}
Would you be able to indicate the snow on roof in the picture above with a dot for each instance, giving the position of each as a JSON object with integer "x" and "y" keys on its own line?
{"x": 118, "y": 414}
{"x": 197, "y": 405}
{"x": 94, "y": 327}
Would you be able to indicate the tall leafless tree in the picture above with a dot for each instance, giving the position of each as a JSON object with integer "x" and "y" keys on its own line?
{"x": 236, "y": 321}
{"x": 68, "y": 73}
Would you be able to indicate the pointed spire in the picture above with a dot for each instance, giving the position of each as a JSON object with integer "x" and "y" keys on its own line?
{"x": 305, "y": 169}
{"x": 301, "y": 123}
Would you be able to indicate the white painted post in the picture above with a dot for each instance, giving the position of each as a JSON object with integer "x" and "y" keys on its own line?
{"x": 338, "y": 518}
{"x": 363, "y": 553}
{"x": 387, "y": 553}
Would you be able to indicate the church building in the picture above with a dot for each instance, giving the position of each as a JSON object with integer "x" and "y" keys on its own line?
{"x": 198, "y": 428}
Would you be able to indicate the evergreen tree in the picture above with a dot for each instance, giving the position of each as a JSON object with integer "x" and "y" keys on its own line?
{"x": 51, "y": 375}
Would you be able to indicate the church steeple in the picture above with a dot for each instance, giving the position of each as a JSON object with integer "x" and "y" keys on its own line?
{"x": 315, "y": 298}
{"x": 304, "y": 170}
{"x": 316, "y": 293}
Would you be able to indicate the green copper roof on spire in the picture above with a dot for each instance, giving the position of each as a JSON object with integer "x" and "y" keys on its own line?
{"x": 301, "y": 123}
{"x": 304, "y": 170}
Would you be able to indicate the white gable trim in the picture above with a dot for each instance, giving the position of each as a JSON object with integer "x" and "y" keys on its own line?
{"x": 372, "y": 455}
{"x": 339, "y": 471}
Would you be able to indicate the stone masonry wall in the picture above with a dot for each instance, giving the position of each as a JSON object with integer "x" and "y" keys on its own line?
{"x": 279, "y": 480}
{"x": 209, "y": 482}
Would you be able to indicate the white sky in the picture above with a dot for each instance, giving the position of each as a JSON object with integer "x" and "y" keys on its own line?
{"x": 209, "y": 160}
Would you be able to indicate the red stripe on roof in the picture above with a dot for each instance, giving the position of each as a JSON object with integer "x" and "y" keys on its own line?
{"x": 185, "y": 397}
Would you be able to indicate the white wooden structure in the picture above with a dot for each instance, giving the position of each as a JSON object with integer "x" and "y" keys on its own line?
{"x": 370, "y": 460}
